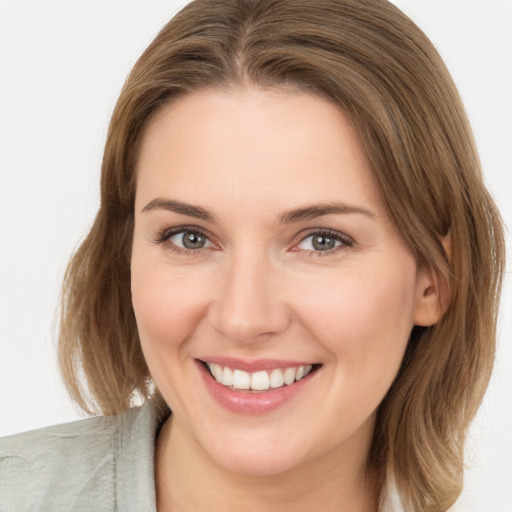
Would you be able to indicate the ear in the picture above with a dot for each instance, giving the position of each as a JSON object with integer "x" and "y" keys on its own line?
{"x": 433, "y": 293}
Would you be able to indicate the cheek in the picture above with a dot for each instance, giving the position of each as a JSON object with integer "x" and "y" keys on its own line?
{"x": 364, "y": 320}
{"x": 167, "y": 307}
{"x": 364, "y": 324}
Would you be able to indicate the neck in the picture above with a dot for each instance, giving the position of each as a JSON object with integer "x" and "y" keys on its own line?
{"x": 187, "y": 479}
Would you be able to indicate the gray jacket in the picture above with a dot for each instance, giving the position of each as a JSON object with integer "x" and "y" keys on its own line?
{"x": 98, "y": 464}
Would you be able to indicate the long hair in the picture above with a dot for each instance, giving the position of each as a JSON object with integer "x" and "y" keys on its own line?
{"x": 375, "y": 64}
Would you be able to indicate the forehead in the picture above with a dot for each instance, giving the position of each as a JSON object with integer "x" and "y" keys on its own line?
{"x": 252, "y": 146}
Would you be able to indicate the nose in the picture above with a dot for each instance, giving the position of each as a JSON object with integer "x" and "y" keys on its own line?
{"x": 248, "y": 305}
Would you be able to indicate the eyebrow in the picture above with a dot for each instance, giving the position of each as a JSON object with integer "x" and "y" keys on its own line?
{"x": 179, "y": 207}
{"x": 319, "y": 210}
{"x": 287, "y": 217}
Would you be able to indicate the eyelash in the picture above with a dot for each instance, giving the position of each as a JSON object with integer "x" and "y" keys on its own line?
{"x": 345, "y": 241}
{"x": 164, "y": 235}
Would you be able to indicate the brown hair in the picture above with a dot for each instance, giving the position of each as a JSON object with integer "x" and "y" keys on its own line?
{"x": 372, "y": 61}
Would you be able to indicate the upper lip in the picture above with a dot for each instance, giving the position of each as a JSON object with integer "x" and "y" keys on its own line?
{"x": 254, "y": 365}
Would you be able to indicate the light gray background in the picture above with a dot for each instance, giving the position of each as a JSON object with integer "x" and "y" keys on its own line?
{"x": 62, "y": 65}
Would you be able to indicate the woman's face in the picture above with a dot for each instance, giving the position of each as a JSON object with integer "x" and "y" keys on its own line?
{"x": 262, "y": 250}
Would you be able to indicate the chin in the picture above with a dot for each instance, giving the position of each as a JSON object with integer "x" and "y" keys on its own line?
{"x": 263, "y": 463}
{"x": 257, "y": 454}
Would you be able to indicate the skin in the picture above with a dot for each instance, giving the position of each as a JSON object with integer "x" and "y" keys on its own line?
{"x": 259, "y": 289}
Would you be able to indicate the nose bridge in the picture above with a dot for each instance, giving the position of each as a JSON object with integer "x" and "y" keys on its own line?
{"x": 248, "y": 303}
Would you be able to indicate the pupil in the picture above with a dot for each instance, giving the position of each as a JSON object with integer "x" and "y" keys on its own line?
{"x": 323, "y": 243}
{"x": 193, "y": 240}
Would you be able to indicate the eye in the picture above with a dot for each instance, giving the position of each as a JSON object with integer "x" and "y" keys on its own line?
{"x": 184, "y": 240}
{"x": 188, "y": 239}
{"x": 324, "y": 241}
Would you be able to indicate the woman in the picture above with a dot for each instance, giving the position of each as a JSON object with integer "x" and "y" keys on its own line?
{"x": 291, "y": 209}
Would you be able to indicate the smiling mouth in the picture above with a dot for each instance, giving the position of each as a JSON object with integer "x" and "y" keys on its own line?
{"x": 260, "y": 381}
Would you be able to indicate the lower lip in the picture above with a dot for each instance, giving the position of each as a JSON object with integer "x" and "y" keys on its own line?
{"x": 243, "y": 402}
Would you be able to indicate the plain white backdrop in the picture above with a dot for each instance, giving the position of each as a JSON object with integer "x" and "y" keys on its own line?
{"x": 62, "y": 65}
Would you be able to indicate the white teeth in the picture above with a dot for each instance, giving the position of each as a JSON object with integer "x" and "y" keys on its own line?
{"x": 276, "y": 378}
{"x": 217, "y": 372}
{"x": 289, "y": 376}
{"x": 241, "y": 379}
{"x": 227, "y": 377}
{"x": 258, "y": 381}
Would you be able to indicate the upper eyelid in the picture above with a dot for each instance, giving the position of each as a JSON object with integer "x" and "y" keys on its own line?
{"x": 324, "y": 231}
{"x": 163, "y": 236}
{"x": 167, "y": 233}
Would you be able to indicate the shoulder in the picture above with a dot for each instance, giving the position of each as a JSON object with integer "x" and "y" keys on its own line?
{"x": 50, "y": 467}
{"x": 60, "y": 441}
{"x": 75, "y": 466}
